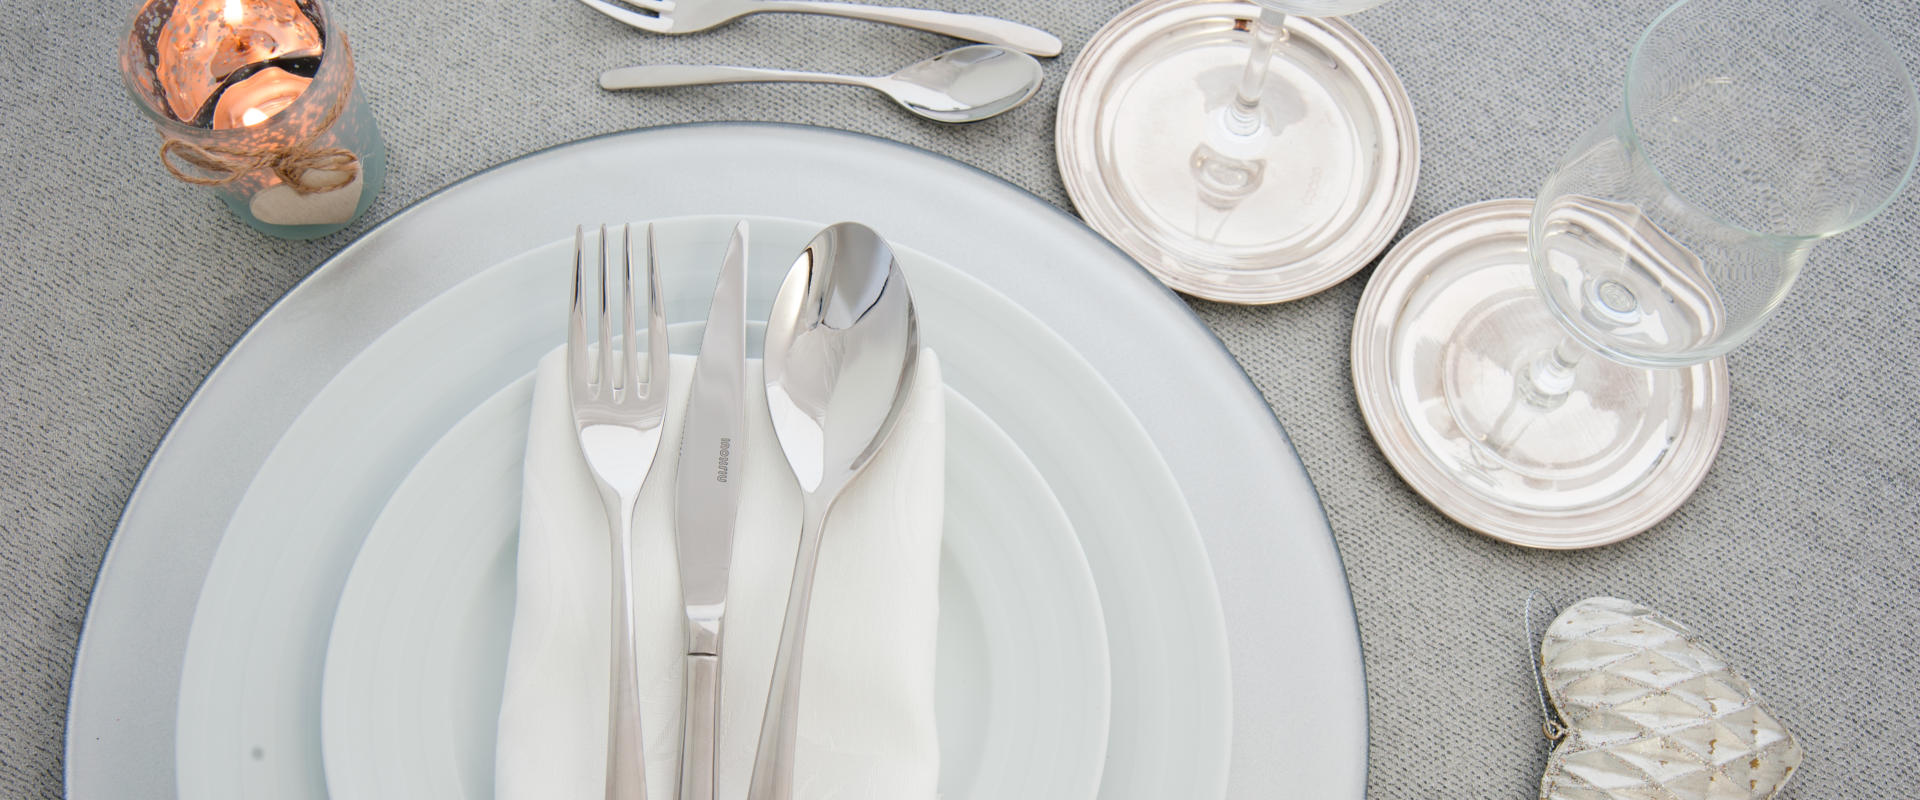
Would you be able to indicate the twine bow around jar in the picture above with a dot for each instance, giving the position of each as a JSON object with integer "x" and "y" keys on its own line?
{"x": 292, "y": 162}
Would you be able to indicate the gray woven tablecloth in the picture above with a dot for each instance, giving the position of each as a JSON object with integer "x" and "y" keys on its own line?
{"x": 1799, "y": 557}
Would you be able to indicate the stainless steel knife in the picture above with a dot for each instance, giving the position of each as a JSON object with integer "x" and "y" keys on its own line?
{"x": 712, "y": 451}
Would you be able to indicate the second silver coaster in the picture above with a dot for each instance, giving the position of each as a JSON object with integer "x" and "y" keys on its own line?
{"x": 1447, "y": 322}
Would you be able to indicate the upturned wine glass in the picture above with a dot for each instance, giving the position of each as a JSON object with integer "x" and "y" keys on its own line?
{"x": 1751, "y": 131}
{"x": 1578, "y": 396}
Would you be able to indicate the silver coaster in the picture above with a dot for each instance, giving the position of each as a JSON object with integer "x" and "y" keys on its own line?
{"x": 1325, "y": 192}
{"x": 1447, "y": 322}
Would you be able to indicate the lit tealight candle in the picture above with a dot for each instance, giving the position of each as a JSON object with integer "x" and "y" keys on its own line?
{"x": 259, "y": 97}
{"x": 206, "y": 41}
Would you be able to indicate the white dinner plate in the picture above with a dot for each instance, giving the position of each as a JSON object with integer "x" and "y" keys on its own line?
{"x": 1144, "y": 389}
{"x": 417, "y": 657}
{"x": 253, "y": 680}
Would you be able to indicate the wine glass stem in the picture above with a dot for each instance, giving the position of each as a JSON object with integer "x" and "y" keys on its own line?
{"x": 1549, "y": 378}
{"x": 1542, "y": 385}
{"x": 1243, "y": 117}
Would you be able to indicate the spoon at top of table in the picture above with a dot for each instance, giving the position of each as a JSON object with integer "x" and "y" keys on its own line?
{"x": 965, "y": 84}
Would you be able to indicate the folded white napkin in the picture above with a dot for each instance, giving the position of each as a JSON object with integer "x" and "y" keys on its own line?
{"x": 867, "y": 698}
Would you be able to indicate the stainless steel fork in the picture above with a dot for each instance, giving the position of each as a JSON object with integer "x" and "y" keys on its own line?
{"x": 692, "y": 16}
{"x": 620, "y": 419}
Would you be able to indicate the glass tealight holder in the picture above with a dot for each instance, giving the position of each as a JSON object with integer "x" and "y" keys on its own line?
{"x": 258, "y": 101}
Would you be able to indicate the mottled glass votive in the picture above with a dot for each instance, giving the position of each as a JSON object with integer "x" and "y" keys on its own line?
{"x": 258, "y": 100}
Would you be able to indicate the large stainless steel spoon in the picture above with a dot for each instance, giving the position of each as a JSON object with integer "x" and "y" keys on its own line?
{"x": 841, "y": 348}
{"x": 966, "y": 84}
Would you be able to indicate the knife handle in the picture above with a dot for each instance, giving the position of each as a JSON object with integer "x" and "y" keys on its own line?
{"x": 701, "y": 736}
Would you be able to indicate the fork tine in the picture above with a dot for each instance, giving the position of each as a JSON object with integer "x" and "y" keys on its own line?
{"x": 656, "y": 323}
{"x": 630, "y": 347}
{"x": 604, "y": 378}
{"x": 628, "y": 16}
{"x": 577, "y": 320}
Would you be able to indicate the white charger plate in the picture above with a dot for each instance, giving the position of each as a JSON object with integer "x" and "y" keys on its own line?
{"x": 1298, "y": 709}
{"x": 417, "y": 656}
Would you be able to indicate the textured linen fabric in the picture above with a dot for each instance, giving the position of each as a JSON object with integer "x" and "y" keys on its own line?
{"x": 1799, "y": 557}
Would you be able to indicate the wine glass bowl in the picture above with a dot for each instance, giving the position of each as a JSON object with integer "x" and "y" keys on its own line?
{"x": 1751, "y": 130}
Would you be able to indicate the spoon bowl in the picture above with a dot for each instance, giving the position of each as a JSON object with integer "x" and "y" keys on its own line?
{"x": 965, "y": 84}
{"x": 842, "y": 341}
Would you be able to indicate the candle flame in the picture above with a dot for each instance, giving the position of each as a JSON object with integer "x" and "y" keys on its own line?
{"x": 252, "y": 116}
{"x": 234, "y": 12}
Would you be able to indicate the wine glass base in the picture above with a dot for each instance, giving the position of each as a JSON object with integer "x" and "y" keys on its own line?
{"x": 1443, "y": 341}
{"x": 1293, "y": 208}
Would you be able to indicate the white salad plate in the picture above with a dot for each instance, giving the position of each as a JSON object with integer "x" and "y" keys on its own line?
{"x": 417, "y": 656}
{"x": 199, "y": 668}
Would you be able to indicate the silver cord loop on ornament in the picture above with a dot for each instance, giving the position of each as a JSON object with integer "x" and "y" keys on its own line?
{"x": 1550, "y": 723}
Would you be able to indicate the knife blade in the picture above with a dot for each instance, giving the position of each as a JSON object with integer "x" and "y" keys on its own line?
{"x": 707, "y": 491}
